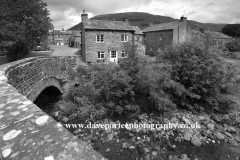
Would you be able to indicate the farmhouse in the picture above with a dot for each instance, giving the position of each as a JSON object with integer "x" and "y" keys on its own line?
{"x": 160, "y": 35}
{"x": 104, "y": 40}
{"x": 214, "y": 37}
{"x": 59, "y": 37}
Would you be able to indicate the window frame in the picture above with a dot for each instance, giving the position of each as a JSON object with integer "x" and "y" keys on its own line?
{"x": 125, "y": 38}
{"x": 123, "y": 53}
{"x": 101, "y": 38}
{"x": 99, "y": 54}
{"x": 114, "y": 54}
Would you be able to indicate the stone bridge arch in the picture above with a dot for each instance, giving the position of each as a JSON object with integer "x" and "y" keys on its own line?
{"x": 31, "y": 76}
{"x": 43, "y": 84}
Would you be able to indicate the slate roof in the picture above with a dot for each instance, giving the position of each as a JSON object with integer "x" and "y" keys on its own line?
{"x": 107, "y": 25}
{"x": 137, "y": 30}
{"x": 161, "y": 26}
{"x": 77, "y": 27}
{"x": 60, "y": 32}
{"x": 213, "y": 34}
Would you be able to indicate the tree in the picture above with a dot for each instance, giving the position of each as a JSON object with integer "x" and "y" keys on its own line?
{"x": 22, "y": 24}
{"x": 232, "y": 30}
{"x": 198, "y": 67}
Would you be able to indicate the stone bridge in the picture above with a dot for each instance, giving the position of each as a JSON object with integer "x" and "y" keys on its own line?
{"x": 26, "y": 132}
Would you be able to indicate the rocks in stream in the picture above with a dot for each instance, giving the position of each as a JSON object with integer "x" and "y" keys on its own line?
{"x": 233, "y": 143}
{"x": 219, "y": 136}
{"x": 216, "y": 118}
{"x": 210, "y": 126}
{"x": 110, "y": 136}
{"x": 196, "y": 141}
{"x": 187, "y": 136}
{"x": 144, "y": 142}
{"x": 64, "y": 119}
{"x": 125, "y": 145}
{"x": 186, "y": 121}
{"x": 154, "y": 154}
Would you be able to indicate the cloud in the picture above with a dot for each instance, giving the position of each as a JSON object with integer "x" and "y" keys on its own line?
{"x": 67, "y": 13}
{"x": 210, "y": 4}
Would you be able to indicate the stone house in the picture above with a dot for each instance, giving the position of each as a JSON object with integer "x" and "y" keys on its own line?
{"x": 214, "y": 37}
{"x": 104, "y": 40}
{"x": 59, "y": 37}
{"x": 50, "y": 37}
{"x": 158, "y": 36}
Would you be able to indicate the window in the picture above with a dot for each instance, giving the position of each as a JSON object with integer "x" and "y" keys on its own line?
{"x": 101, "y": 55}
{"x": 123, "y": 54}
{"x": 113, "y": 54}
{"x": 138, "y": 38}
{"x": 99, "y": 38}
{"x": 124, "y": 38}
{"x": 59, "y": 36}
{"x": 160, "y": 38}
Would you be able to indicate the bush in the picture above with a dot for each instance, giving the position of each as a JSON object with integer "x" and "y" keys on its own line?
{"x": 199, "y": 68}
{"x": 154, "y": 80}
{"x": 105, "y": 90}
{"x": 233, "y": 45}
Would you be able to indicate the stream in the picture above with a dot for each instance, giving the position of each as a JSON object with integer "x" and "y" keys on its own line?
{"x": 123, "y": 144}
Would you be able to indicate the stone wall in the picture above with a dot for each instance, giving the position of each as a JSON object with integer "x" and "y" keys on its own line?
{"x": 25, "y": 76}
{"x": 26, "y": 132}
{"x": 112, "y": 41}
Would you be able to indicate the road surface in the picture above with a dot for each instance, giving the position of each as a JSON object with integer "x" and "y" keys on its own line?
{"x": 63, "y": 50}
{"x": 66, "y": 51}
{"x": 58, "y": 51}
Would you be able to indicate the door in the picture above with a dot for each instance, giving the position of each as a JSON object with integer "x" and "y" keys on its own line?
{"x": 113, "y": 56}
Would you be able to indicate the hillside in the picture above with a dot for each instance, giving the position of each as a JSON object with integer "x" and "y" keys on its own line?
{"x": 143, "y": 19}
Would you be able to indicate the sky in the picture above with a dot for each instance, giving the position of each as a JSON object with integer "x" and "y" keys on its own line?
{"x": 67, "y": 13}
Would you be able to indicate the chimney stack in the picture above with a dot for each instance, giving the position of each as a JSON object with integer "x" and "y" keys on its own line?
{"x": 84, "y": 16}
{"x": 183, "y": 19}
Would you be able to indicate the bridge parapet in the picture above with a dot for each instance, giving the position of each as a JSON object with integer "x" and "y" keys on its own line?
{"x": 26, "y": 132}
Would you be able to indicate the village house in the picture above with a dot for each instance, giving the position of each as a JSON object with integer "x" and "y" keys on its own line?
{"x": 104, "y": 40}
{"x": 158, "y": 36}
{"x": 214, "y": 37}
{"x": 59, "y": 37}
